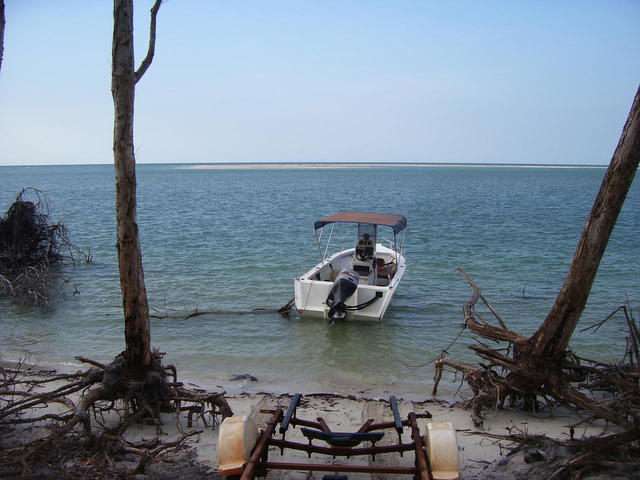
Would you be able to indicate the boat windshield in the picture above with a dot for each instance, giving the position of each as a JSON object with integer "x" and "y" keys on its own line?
{"x": 367, "y": 232}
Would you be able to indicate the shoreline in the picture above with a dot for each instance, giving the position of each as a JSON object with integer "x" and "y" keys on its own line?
{"x": 251, "y": 383}
{"x": 483, "y": 455}
{"x": 244, "y": 384}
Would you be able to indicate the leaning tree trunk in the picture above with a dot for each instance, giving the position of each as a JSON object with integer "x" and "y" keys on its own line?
{"x": 552, "y": 338}
{"x": 123, "y": 81}
{"x": 539, "y": 367}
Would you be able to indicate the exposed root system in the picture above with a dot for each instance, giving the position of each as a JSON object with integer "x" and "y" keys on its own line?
{"x": 511, "y": 375}
{"x": 104, "y": 400}
{"x": 31, "y": 247}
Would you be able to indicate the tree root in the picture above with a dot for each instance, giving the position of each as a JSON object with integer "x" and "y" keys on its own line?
{"x": 522, "y": 379}
{"x": 31, "y": 247}
{"x": 107, "y": 389}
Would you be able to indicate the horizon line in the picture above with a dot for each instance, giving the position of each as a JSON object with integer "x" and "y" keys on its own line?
{"x": 246, "y": 165}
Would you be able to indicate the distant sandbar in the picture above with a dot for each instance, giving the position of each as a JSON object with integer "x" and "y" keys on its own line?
{"x": 267, "y": 166}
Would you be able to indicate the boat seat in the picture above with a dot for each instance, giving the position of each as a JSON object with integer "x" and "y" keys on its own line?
{"x": 383, "y": 281}
{"x": 366, "y": 273}
{"x": 336, "y": 439}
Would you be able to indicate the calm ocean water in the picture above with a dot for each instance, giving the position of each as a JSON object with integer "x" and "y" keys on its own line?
{"x": 229, "y": 241}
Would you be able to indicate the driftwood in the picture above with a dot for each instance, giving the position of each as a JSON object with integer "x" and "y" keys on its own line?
{"x": 102, "y": 390}
{"x": 166, "y": 314}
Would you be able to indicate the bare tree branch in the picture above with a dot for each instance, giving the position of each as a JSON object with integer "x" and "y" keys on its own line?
{"x": 486, "y": 330}
{"x": 152, "y": 42}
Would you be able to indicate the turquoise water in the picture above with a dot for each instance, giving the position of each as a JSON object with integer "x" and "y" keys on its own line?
{"x": 229, "y": 241}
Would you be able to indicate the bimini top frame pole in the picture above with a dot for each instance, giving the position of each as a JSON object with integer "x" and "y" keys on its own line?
{"x": 323, "y": 257}
{"x": 396, "y": 222}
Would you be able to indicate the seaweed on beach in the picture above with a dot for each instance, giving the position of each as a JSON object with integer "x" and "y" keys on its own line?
{"x": 31, "y": 248}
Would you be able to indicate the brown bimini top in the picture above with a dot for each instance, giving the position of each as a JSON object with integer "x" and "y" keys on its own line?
{"x": 396, "y": 222}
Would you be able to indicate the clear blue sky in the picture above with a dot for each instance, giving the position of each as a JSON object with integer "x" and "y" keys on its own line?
{"x": 326, "y": 81}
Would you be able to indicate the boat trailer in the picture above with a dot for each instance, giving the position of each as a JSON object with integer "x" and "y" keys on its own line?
{"x": 243, "y": 449}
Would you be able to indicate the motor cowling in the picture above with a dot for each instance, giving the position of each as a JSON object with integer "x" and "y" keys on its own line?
{"x": 344, "y": 286}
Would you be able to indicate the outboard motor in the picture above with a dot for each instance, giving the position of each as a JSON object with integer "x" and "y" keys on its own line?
{"x": 344, "y": 286}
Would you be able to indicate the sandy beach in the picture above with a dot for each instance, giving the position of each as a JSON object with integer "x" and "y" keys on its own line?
{"x": 482, "y": 456}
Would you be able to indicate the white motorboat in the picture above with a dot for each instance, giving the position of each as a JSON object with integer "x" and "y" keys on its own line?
{"x": 357, "y": 283}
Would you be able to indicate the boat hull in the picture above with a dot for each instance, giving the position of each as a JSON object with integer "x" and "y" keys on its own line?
{"x": 313, "y": 288}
